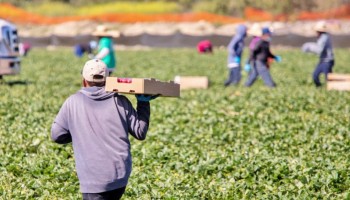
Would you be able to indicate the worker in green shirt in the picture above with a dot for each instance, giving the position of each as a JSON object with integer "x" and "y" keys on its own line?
{"x": 105, "y": 47}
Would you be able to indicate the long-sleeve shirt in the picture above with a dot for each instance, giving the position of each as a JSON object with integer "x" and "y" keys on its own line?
{"x": 98, "y": 125}
{"x": 236, "y": 45}
{"x": 261, "y": 52}
{"x": 324, "y": 48}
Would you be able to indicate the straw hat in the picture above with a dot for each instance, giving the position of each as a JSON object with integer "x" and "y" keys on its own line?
{"x": 321, "y": 26}
{"x": 102, "y": 30}
{"x": 255, "y": 30}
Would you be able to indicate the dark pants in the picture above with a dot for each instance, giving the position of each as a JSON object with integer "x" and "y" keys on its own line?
{"x": 109, "y": 195}
{"x": 260, "y": 68}
{"x": 234, "y": 76}
{"x": 322, "y": 67}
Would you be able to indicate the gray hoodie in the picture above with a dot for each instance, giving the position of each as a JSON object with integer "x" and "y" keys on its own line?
{"x": 97, "y": 123}
{"x": 236, "y": 45}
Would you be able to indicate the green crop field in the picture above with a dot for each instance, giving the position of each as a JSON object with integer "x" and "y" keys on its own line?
{"x": 291, "y": 142}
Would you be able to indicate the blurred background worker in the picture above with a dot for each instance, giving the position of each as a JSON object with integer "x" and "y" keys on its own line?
{"x": 105, "y": 47}
{"x": 235, "y": 50}
{"x": 255, "y": 32}
{"x": 205, "y": 46}
{"x": 24, "y": 48}
{"x": 324, "y": 49}
{"x": 88, "y": 48}
{"x": 260, "y": 55}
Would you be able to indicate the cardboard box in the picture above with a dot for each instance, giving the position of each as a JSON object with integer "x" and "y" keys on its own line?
{"x": 142, "y": 86}
{"x": 338, "y": 77}
{"x": 338, "y": 85}
{"x": 339, "y": 82}
{"x": 192, "y": 82}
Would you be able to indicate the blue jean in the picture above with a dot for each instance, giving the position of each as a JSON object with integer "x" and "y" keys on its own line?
{"x": 322, "y": 67}
{"x": 234, "y": 76}
{"x": 109, "y": 195}
{"x": 260, "y": 68}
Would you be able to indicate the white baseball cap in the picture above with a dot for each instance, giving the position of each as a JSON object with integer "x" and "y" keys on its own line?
{"x": 94, "y": 71}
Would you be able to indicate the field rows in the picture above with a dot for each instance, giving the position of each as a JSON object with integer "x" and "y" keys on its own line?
{"x": 291, "y": 142}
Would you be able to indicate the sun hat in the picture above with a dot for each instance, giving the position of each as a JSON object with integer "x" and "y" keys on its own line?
{"x": 94, "y": 71}
{"x": 321, "y": 26}
{"x": 104, "y": 31}
{"x": 255, "y": 30}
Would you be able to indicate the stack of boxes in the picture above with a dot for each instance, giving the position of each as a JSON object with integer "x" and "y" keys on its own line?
{"x": 338, "y": 82}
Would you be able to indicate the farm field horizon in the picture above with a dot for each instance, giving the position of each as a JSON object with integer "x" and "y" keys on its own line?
{"x": 290, "y": 142}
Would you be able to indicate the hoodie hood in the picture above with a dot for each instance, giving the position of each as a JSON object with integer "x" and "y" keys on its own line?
{"x": 96, "y": 93}
{"x": 241, "y": 31}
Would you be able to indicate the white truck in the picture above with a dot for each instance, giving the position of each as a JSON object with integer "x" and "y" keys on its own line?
{"x": 9, "y": 49}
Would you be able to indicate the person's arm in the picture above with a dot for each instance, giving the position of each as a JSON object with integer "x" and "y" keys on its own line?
{"x": 276, "y": 58}
{"x": 234, "y": 53}
{"x": 231, "y": 48}
{"x": 138, "y": 120}
{"x": 321, "y": 44}
{"x": 270, "y": 55}
{"x": 309, "y": 47}
{"x": 103, "y": 53}
{"x": 317, "y": 47}
{"x": 59, "y": 129}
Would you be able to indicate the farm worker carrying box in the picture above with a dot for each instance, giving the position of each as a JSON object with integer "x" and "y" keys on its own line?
{"x": 235, "y": 50}
{"x": 98, "y": 123}
{"x": 260, "y": 55}
{"x": 324, "y": 49}
{"x": 105, "y": 47}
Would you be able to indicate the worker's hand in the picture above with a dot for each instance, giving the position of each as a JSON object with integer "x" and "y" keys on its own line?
{"x": 278, "y": 59}
{"x": 146, "y": 98}
{"x": 237, "y": 59}
{"x": 247, "y": 67}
